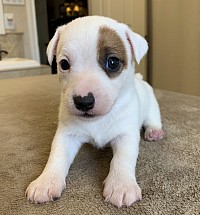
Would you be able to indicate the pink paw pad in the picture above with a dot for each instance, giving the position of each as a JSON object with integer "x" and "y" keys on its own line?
{"x": 152, "y": 134}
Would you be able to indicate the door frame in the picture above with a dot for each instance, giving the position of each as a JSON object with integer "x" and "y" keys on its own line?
{"x": 2, "y": 27}
{"x": 32, "y": 30}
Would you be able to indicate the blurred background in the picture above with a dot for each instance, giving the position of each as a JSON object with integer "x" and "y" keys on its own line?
{"x": 171, "y": 27}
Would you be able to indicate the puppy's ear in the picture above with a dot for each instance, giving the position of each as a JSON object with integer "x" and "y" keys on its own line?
{"x": 138, "y": 45}
{"x": 51, "y": 48}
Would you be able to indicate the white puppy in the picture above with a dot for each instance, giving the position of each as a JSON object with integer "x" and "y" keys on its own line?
{"x": 102, "y": 101}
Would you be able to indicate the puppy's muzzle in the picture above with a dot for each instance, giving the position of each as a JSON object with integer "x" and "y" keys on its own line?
{"x": 84, "y": 103}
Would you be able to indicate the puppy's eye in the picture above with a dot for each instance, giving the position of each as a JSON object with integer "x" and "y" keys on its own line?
{"x": 112, "y": 64}
{"x": 64, "y": 64}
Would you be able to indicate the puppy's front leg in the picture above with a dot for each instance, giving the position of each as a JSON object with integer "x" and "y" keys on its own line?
{"x": 121, "y": 187}
{"x": 49, "y": 185}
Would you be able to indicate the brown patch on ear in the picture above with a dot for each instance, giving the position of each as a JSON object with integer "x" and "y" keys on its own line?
{"x": 111, "y": 45}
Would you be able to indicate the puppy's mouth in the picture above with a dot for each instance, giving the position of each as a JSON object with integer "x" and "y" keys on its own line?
{"x": 87, "y": 115}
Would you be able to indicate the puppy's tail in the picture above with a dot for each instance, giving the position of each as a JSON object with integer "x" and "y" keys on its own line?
{"x": 139, "y": 76}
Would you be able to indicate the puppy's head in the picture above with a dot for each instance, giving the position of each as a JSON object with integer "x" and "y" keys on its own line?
{"x": 95, "y": 62}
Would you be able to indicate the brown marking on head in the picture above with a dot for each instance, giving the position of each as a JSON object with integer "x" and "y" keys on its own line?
{"x": 111, "y": 45}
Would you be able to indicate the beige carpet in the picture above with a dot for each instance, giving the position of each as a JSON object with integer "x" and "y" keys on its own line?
{"x": 167, "y": 171}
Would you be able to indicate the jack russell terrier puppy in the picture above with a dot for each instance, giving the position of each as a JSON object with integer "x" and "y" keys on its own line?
{"x": 102, "y": 101}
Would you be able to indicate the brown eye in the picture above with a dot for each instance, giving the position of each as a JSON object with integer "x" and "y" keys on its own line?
{"x": 64, "y": 64}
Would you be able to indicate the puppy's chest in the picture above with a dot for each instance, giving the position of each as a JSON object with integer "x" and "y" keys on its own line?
{"x": 97, "y": 135}
{"x": 99, "y": 143}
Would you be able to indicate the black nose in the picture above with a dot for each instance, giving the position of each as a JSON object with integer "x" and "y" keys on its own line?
{"x": 84, "y": 103}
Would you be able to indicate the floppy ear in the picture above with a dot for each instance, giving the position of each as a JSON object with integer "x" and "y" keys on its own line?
{"x": 51, "y": 48}
{"x": 138, "y": 45}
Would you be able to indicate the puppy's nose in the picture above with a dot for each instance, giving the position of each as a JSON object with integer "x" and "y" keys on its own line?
{"x": 84, "y": 103}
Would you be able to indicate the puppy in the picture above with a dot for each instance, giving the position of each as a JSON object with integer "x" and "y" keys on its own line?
{"x": 102, "y": 101}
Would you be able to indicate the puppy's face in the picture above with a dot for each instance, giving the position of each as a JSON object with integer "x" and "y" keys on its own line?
{"x": 95, "y": 60}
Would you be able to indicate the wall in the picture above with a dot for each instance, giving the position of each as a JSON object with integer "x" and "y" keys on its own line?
{"x": 21, "y": 24}
{"x": 176, "y": 45}
{"x": 13, "y": 43}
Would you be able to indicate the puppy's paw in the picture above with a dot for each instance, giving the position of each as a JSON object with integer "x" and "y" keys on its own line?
{"x": 153, "y": 134}
{"x": 45, "y": 188}
{"x": 121, "y": 191}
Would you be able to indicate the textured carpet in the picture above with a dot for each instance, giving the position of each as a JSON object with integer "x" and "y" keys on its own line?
{"x": 167, "y": 171}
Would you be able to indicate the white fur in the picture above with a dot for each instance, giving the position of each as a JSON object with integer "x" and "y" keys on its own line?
{"x": 122, "y": 105}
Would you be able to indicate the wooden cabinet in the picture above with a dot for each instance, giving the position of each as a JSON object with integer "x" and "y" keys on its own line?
{"x": 130, "y": 12}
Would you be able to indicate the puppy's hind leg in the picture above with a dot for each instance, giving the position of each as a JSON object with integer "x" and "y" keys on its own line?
{"x": 153, "y": 124}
